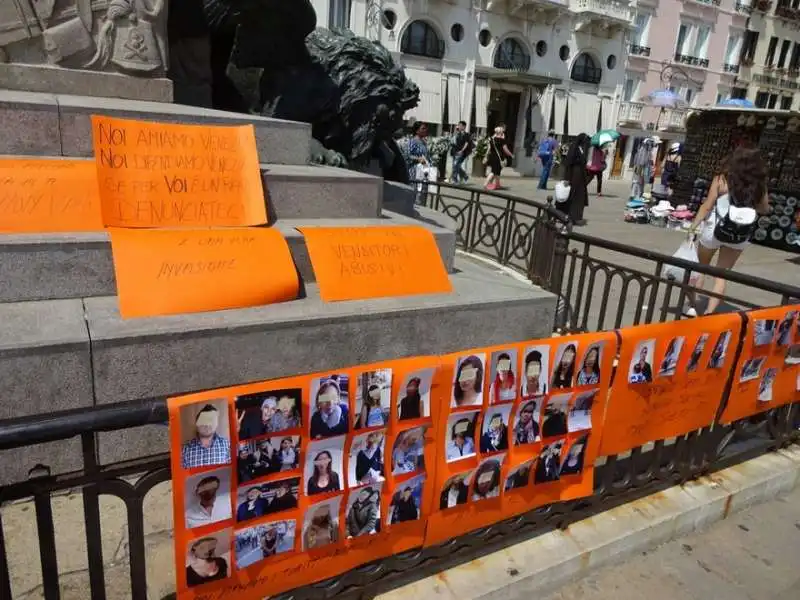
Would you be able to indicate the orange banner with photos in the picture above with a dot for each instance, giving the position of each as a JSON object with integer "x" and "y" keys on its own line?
{"x": 670, "y": 380}
{"x": 288, "y": 482}
{"x": 520, "y": 427}
{"x": 767, "y": 374}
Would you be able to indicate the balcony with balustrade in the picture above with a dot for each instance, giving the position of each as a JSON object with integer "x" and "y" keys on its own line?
{"x": 691, "y": 61}
{"x": 730, "y": 69}
{"x": 630, "y": 112}
{"x": 634, "y": 51}
{"x": 602, "y": 14}
{"x": 547, "y": 9}
{"x": 674, "y": 118}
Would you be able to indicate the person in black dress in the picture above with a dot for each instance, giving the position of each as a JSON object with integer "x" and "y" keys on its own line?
{"x": 411, "y": 404}
{"x": 324, "y": 478}
{"x": 405, "y": 507}
{"x": 496, "y": 154}
{"x": 577, "y": 176}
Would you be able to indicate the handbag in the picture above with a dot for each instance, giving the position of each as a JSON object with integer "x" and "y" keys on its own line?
{"x": 562, "y": 192}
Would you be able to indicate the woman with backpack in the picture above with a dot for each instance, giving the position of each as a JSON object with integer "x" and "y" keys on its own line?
{"x": 729, "y": 216}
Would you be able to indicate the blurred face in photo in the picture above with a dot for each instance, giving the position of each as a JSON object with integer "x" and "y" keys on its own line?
{"x": 206, "y": 424}
{"x": 207, "y": 491}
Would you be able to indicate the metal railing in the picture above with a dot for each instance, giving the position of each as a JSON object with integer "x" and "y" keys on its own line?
{"x": 523, "y": 234}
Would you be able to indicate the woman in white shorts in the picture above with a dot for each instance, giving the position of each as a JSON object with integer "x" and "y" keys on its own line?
{"x": 743, "y": 175}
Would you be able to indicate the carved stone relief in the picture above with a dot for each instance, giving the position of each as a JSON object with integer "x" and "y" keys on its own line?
{"x": 124, "y": 36}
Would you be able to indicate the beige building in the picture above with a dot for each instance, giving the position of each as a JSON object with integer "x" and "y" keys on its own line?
{"x": 769, "y": 68}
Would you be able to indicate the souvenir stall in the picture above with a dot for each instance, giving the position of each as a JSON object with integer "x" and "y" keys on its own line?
{"x": 711, "y": 134}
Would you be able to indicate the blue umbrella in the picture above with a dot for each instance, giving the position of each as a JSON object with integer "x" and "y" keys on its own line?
{"x": 740, "y": 102}
{"x": 665, "y": 99}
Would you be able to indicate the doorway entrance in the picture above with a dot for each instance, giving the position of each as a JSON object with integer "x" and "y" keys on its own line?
{"x": 619, "y": 156}
{"x": 504, "y": 109}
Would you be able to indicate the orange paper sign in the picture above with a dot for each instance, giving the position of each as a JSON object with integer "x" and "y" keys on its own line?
{"x": 285, "y": 483}
{"x": 48, "y": 195}
{"x": 375, "y": 262}
{"x": 520, "y": 427}
{"x": 670, "y": 380}
{"x": 767, "y": 374}
{"x": 162, "y": 272}
{"x": 164, "y": 175}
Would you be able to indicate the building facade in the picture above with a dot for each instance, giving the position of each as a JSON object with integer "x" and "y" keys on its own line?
{"x": 769, "y": 71}
{"x": 528, "y": 64}
{"x": 691, "y": 47}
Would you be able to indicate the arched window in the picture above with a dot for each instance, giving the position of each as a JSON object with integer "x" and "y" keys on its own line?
{"x": 421, "y": 39}
{"x": 586, "y": 70}
{"x": 512, "y": 55}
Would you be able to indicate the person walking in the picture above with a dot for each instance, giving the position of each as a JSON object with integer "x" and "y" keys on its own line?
{"x": 496, "y": 155}
{"x": 597, "y": 164}
{"x": 460, "y": 150}
{"x": 727, "y": 219}
{"x": 547, "y": 149}
{"x": 576, "y": 175}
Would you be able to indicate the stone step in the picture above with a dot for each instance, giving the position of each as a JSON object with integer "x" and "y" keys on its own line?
{"x": 59, "y": 125}
{"x": 79, "y": 265}
{"x": 66, "y": 354}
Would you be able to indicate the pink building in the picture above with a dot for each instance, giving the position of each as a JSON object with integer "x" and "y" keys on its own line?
{"x": 689, "y": 46}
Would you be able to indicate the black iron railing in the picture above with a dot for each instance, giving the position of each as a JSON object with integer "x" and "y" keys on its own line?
{"x": 594, "y": 277}
{"x": 636, "y": 50}
{"x": 602, "y": 284}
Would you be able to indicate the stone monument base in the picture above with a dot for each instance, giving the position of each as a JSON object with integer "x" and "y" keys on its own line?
{"x": 57, "y": 80}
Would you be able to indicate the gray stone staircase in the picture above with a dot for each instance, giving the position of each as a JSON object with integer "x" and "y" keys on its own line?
{"x": 64, "y": 346}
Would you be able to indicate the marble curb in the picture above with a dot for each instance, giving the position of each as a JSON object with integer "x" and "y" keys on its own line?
{"x": 542, "y": 564}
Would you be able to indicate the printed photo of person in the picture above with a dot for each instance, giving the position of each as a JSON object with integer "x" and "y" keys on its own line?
{"x": 765, "y": 386}
{"x": 363, "y": 512}
{"x": 520, "y": 476}
{"x": 330, "y": 406}
{"x": 580, "y": 415}
{"x": 793, "y": 355}
{"x": 414, "y": 397}
{"x": 460, "y": 441}
{"x": 373, "y": 399}
{"x": 455, "y": 491}
{"x": 254, "y": 501}
{"x": 535, "y": 370}
{"x": 752, "y": 369}
{"x": 764, "y": 331}
{"x": 555, "y": 420}
{"x": 268, "y": 412}
{"x": 564, "y": 369}
{"x": 254, "y": 544}
{"x": 321, "y": 524}
{"x": 324, "y": 465}
{"x": 208, "y": 498}
{"x": 503, "y": 376}
{"x": 717, "y": 359}
{"x": 256, "y": 459}
{"x": 208, "y": 558}
{"x": 408, "y": 453}
{"x": 487, "y": 479}
{"x": 494, "y": 436}
{"x": 573, "y": 462}
{"x": 526, "y": 425}
{"x": 406, "y": 504}
{"x": 641, "y": 367}
{"x": 589, "y": 373}
{"x": 669, "y": 364}
{"x": 365, "y": 466}
{"x": 784, "y": 337}
{"x": 548, "y": 466}
{"x": 468, "y": 381}
{"x": 697, "y": 353}
{"x": 205, "y": 434}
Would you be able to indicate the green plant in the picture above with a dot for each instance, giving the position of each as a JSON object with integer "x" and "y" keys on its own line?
{"x": 481, "y": 148}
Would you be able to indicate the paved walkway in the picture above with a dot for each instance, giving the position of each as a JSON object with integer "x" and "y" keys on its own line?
{"x": 751, "y": 556}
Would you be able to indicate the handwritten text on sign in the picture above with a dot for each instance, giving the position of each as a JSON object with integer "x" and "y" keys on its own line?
{"x": 375, "y": 262}
{"x": 164, "y": 175}
{"x": 162, "y": 272}
{"x": 48, "y": 195}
